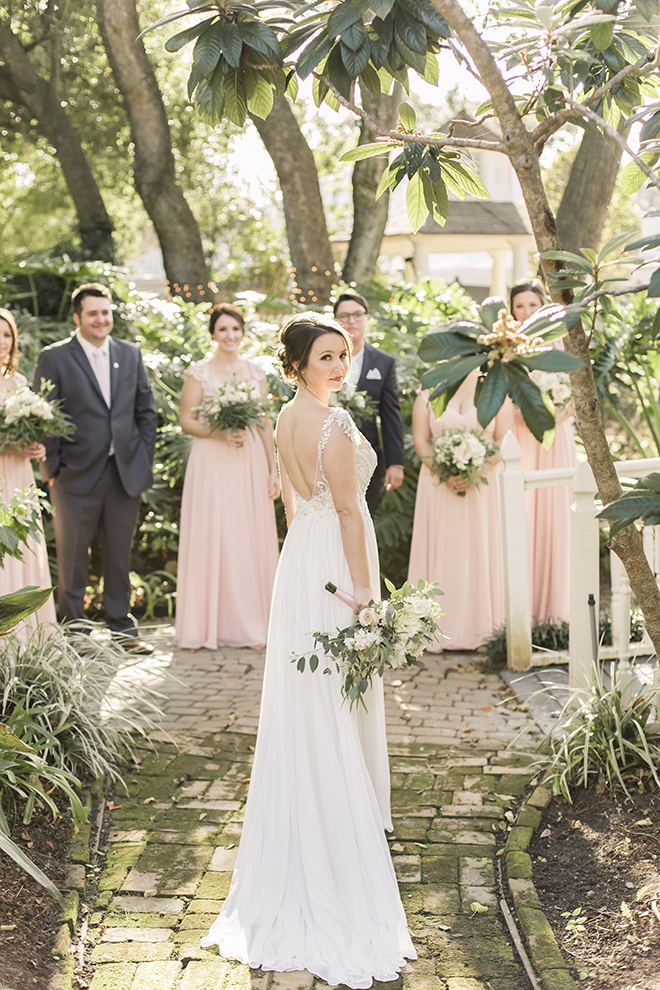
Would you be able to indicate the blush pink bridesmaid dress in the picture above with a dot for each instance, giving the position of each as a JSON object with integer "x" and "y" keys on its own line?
{"x": 228, "y": 546}
{"x": 16, "y": 475}
{"x": 548, "y": 519}
{"x": 457, "y": 541}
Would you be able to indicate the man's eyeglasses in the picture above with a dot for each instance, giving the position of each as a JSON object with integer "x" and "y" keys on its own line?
{"x": 359, "y": 314}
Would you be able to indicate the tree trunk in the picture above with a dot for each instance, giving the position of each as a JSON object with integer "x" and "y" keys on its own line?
{"x": 583, "y": 209}
{"x": 306, "y": 230}
{"x": 20, "y": 83}
{"x": 154, "y": 172}
{"x": 628, "y": 544}
{"x": 369, "y": 216}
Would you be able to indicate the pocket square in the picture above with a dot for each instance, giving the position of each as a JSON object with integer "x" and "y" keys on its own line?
{"x": 374, "y": 373}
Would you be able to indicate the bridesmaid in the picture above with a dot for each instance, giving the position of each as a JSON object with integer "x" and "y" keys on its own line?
{"x": 547, "y": 509}
{"x": 228, "y": 544}
{"x": 16, "y": 474}
{"x": 456, "y": 540}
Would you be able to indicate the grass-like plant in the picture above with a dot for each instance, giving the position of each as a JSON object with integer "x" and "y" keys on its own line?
{"x": 75, "y": 699}
{"x": 608, "y": 733}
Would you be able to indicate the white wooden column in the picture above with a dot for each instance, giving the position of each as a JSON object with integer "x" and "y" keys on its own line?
{"x": 498, "y": 274}
{"x": 584, "y": 576}
{"x": 620, "y": 608}
{"x": 517, "y": 606}
{"x": 520, "y": 262}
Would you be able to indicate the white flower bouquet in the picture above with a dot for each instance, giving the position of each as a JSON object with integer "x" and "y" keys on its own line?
{"x": 554, "y": 384}
{"x": 461, "y": 453}
{"x": 359, "y": 405}
{"x": 28, "y": 417}
{"x": 386, "y": 635}
{"x": 236, "y": 405}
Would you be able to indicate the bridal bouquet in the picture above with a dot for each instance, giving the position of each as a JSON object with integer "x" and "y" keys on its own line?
{"x": 359, "y": 405}
{"x": 28, "y": 417}
{"x": 461, "y": 453}
{"x": 236, "y": 405}
{"x": 555, "y": 384}
{"x": 386, "y": 635}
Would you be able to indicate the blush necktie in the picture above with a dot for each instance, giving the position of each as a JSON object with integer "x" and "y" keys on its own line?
{"x": 102, "y": 372}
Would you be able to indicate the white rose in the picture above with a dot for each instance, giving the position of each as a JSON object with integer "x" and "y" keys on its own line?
{"x": 368, "y": 617}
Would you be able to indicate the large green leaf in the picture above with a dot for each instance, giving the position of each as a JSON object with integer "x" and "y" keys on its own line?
{"x": 432, "y": 70}
{"x": 9, "y": 740}
{"x": 19, "y": 604}
{"x": 551, "y": 360}
{"x": 177, "y": 41}
{"x": 235, "y": 97}
{"x": 632, "y": 178}
{"x": 407, "y": 117}
{"x": 490, "y": 394}
{"x": 344, "y": 15}
{"x": 425, "y": 12}
{"x": 654, "y": 285}
{"x": 489, "y": 310}
{"x": 260, "y": 96}
{"x": 530, "y": 400}
{"x": 446, "y": 374}
{"x": 381, "y": 36}
{"x": 210, "y": 95}
{"x": 442, "y": 345}
{"x": 380, "y": 8}
{"x": 355, "y": 60}
{"x": 409, "y": 30}
{"x": 232, "y": 44}
{"x": 639, "y": 503}
{"x": 261, "y": 37}
{"x": 8, "y": 846}
{"x": 462, "y": 180}
{"x": 315, "y": 52}
{"x": 551, "y": 322}
{"x": 368, "y": 151}
{"x": 208, "y": 49}
{"x": 602, "y": 35}
{"x": 416, "y": 206}
{"x": 355, "y": 36}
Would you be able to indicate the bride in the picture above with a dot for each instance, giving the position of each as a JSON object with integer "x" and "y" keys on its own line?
{"x": 314, "y": 888}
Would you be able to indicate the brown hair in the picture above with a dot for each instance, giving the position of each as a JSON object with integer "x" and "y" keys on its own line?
{"x": 11, "y": 362}
{"x": 527, "y": 285}
{"x": 226, "y": 309}
{"x": 89, "y": 289}
{"x": 297, "y": 339}
{"x": 350, "y": 297}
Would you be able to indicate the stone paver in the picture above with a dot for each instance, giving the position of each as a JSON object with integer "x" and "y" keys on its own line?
{"x": 174, "y": 838}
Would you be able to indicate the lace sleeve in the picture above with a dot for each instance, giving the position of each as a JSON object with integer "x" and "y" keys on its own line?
{"x": 198, "y": 371}
{"x": 338, "y": 420}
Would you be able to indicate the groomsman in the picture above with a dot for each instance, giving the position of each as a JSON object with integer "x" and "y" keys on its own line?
{"x": 374, "y": 372}
{"x": 97, "y": 477}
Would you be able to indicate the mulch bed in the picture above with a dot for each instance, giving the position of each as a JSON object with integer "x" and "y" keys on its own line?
{"x": 597, "y": 873}
{"x": 29, "y": 917}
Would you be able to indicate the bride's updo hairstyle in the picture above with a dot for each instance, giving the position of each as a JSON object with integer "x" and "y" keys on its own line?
{"x": 226, "y": 309}
{"x": 297, "y": 339}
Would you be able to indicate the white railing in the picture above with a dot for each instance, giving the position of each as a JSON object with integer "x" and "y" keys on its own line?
{"x": 584, "y": 569}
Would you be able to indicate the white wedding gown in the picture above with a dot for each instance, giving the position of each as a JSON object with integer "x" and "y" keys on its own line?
{"x": 314, "y": 887}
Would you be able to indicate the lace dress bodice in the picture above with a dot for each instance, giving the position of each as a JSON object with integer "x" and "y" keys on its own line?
{"x": 320, "y": 505}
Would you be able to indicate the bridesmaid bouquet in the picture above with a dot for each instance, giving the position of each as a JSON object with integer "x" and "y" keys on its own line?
{"x": 386, "y": 635}
{"x": 28, "y": 417}
{"x": 236, "y": 405}
{"x": 461, "y": 453}
{"x": 555, "y": 384}
{"x": 359, "y": 405}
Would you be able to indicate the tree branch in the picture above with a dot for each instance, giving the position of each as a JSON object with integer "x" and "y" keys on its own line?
{"x": 438, "y": 141}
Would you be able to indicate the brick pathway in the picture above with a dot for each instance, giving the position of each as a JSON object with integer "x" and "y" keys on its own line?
{"x": 174, "y": 839}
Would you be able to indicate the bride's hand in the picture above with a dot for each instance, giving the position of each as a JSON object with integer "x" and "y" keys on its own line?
{"x": 362, "y": 598}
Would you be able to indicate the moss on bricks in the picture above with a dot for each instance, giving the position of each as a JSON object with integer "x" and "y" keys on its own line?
{"x": 112, "y": 879}
{"x": 519, "y": 839}
{"x": 214, "y": 886}
{"x": 545, "y": 952}
{"x": 113, "y": 976}
{"x": 524, "y": 894}
{"x": 200, "y": 975}
{"x": 160, "y": 975}
{"x": 439, "y": 869}
{"x": 540, "y": 797}
{"x": 534, "y": 922}
{"x": 529, "y": 817}
{"x": 79, "y": 846}
{"x": 125, "y": 854}
{"x": 70, "y": 909}
{"x": 131, "y": 952}
{"x": 62, "y": 943}
{"x": 558, "y": 979}
{"x": 519, "y": 865}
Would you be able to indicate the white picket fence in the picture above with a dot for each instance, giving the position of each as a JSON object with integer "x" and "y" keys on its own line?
{"x": 584, "y": 567}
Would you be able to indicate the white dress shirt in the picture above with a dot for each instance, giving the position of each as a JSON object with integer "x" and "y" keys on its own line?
{"x": 100, "y": 367}
{"x": 357, "y": 360}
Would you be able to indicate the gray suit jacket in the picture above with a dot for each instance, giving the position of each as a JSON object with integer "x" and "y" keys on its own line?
{"x": 129, "y": 424}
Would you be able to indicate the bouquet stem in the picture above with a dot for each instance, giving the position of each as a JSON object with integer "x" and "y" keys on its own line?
{"x": 343, "y": 596}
